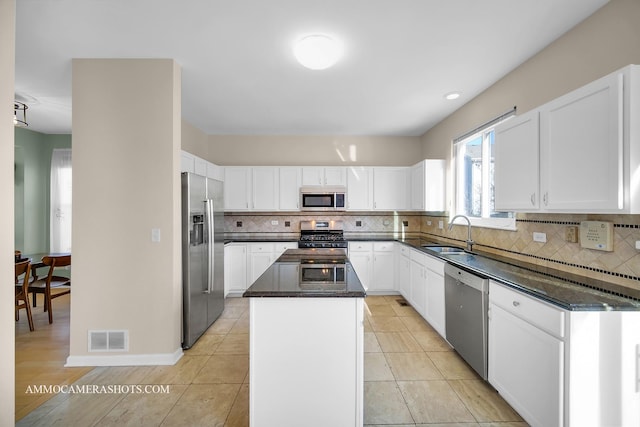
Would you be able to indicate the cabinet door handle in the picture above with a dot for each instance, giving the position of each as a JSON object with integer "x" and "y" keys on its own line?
{"x": 516, "y": 303}
{"x": 533, "y": 199}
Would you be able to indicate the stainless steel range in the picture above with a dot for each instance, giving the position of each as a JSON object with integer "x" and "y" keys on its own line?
{"x": 322, "y": 234}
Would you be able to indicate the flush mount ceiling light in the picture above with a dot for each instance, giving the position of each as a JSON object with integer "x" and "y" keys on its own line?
{"x": 317, "y": 51}
{"x": 20, "y": 114}
{"x": 451, "y": 96}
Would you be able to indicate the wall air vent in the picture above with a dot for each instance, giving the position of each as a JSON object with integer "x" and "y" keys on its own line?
{"x": 109, "y": 340}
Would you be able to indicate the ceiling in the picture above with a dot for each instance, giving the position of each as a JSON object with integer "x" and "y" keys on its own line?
{"x": 239, "y": 75}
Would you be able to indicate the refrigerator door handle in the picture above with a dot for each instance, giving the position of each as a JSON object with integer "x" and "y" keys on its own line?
{"x": 208, "y": 209}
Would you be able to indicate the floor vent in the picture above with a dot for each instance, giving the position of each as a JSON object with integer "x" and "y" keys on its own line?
{"x": 402, "y": 302}
{"x": 109, "y": 340}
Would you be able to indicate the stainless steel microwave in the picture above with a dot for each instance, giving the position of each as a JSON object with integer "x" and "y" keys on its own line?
{"x": 323, "y": 198}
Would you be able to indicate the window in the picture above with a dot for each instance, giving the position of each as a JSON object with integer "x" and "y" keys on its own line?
{"x": 474, "y": 184}
{"x": 60, "y": 239}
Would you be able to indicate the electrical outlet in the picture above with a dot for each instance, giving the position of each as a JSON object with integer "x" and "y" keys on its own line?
{"x": 539, "y": 237}
{"x": 274, "y": 222}
{"x": 571, "y": 234}
{"x": 428, "y": 222}
{"x": 440, "y": 225}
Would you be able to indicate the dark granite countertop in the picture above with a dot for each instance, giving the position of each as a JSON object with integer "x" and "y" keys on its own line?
{"x": 283, "y": 278}
{"x": 568, "y": 291}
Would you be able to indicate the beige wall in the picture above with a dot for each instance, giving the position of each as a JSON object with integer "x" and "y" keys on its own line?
{"x": 309, "y": 150}
{"x": 604, "y": 42}
{"x": 194, "y": 141}
{"x": 126, "y": 182}
{"x": 7, "y": 321}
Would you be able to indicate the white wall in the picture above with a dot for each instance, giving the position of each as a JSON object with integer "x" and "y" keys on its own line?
{"x": 7, "y": 321}
{"x": 126, "y": 181}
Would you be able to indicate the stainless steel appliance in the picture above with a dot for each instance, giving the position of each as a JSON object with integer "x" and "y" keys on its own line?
{"x": 323, "y": 198}
{"x": 322, "y": 271}
{"x": 466, "y": 321}
{"x": 202, "y": 255}
{"x": 322, "y": 234}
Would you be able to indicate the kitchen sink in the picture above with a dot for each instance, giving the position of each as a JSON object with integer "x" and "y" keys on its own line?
{"x": 444, "y": 249}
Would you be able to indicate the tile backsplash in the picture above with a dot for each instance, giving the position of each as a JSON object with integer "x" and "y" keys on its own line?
{"x": 621, "y": 266}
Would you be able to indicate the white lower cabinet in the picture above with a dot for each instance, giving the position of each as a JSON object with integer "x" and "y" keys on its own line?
{"x": 526, "y": 355}
{"x": 403, "y": 270}
{"x": 245, "y": 262}
{"x": 418, "y": 283}
{"x": 235, "y": 268}
{"x": 434, "y": 306}
{"x": 374, "y": 264}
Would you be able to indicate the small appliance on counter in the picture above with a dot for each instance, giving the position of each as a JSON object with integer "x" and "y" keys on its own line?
{"x": 202, "y": 255}
{"x": 322, "y": 234}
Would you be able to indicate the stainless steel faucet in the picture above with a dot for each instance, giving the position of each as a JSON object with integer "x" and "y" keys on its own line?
{"x": 470, "y": 242}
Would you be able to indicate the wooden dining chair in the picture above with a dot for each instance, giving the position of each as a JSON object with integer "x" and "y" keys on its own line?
{"x": 22, "y": 290}
{"x": 52, "y": 286}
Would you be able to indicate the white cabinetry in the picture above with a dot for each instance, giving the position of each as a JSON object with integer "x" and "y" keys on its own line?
{"x": 390, "y": 188}
{"x": 403, "y": 270}
{"x": 589, "y": 151}
{"x": 194, "y": 164}
{"x": 374, "y": 264}
{"x": 237, "y": 188}
{"x": 360, "y": 258}
{"x": 418, "y": 279}
{"x": 583, "y": 129}
{"x": 289, "y": 188}
{"x": 434, "y": 307}
{"x": 262, "y": 255}
{"x": 517, "y": 166}
{"x": 265, "y": 188}
{"x": 359, "y": 188}
{"x": 526, "y": 355}
{"x": 245, "y": 262}
{"x": 312, "y": 175}
{"x": 235, "y": 268}
{"x": 428, "y": 185}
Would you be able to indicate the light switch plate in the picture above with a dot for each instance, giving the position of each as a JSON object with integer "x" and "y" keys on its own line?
{"x": 597, "y": 235}
{"x": 155, "y": 235}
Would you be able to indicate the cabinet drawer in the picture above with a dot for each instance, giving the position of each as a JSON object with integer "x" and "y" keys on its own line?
{"x": 404, "y": 250}
{"x": 383, "y": 246}
{"x": 261, "y": 247}
{"x": 360, "y": 246}
{"x": 434, "y": 264}
{"x": 418, "y": 256}
{"x": 280, "y": 247}
{"x": 537, "y": 313}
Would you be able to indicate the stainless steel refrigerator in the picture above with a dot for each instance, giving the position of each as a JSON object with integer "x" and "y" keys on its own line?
{"x": 202, "y": 255}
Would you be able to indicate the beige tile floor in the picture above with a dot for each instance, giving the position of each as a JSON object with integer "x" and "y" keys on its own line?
{"x": 412, "y": 378}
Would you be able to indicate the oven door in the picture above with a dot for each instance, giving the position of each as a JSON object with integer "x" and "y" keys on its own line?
{"x": 322, "y": 273}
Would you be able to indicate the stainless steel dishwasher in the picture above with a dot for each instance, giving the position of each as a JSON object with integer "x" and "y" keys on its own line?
{"x": 466, "y": 303}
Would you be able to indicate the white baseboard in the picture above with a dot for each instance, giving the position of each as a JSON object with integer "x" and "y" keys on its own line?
{"x": 125, "y": 359}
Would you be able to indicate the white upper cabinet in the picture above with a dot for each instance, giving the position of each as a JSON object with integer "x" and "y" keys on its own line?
{"x": 265, "y": 188}
{"x": 589, "y": 152}
{"x": 359, "y": 188}
{"x": 289, "y": 194}
{"x": 237, "y": 188}
{"x": 428, "y": 185}
{"x": 516, "y": 154}
{"x": 312, "y": 175}
{"x": 581, "y": 144}
{"x": 390, "y": 188}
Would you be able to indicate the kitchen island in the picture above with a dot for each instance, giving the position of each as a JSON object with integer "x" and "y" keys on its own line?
{"x": 306, "y": 342}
